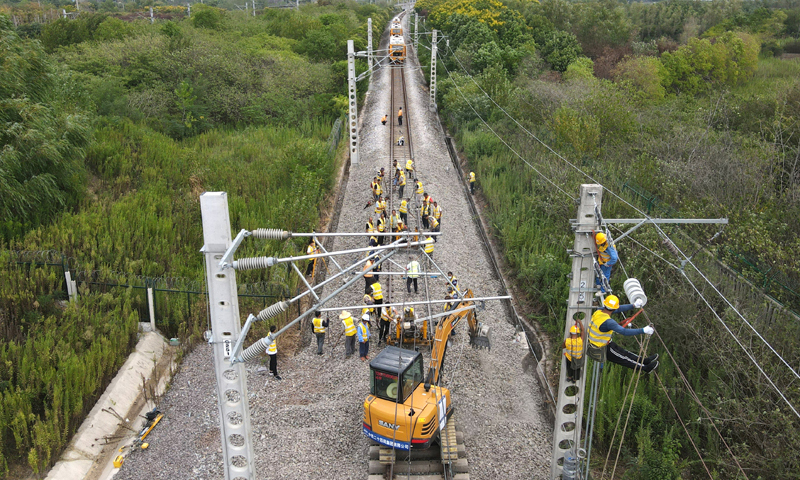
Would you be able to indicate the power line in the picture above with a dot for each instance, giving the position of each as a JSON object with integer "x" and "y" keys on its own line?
{"x": 660, "y": 230}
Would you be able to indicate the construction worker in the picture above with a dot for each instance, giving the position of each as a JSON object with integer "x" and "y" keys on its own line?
{"x": 369, "y": 277}
{"x": 472, "y": 183}
{"x": 383, "y": 120}
{"x": 370, "y": 225}
{"x": 377, "y": 189}
{"x": 272, "y": 353}
{"x": 311, "y": 249}
{"x": 452, "y": 280}
{"x": 320, "y": 326}
{"x": 606, "y": 257}
{"x": 387, "y": 317}
{"x": 380, "y": 205}
{"x": 601, "y": 346}
{"x": 410, "y": 168}
{"x": 416, "y": 237}
{"x": 436, "y": 210}
{"x": 400, "y": 116}
{"x": 349, "y": 333}
{"x": 394, "y": 220}
{"x": 377, "y": 295}
{"x": 404, "y": 210}
{"x": 401, "y": 141}
{"x": 401, "y": 184}
{"x": 368, "y": 301}
{"x": 420, "y": 190}
{"x": 363, "y": 337}
{"x": 573, "y": 350}
{"x": 433, "y": 225}
{"x": 429, "y": 247}
{"x": 412, "y": 273}
{"x": 423, "y": 214}
{"x": 381, "y": 227}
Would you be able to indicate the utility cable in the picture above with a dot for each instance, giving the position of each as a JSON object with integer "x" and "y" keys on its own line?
{"x": 688, "y": 259}
{"x": 503, "y": 140}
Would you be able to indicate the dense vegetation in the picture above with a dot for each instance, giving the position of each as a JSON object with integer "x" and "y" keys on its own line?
{"x": 683, "y": 109}
{"x": 111, "y": 131}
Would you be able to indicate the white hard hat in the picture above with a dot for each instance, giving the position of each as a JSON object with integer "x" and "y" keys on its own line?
{"x": 365, "y": 317}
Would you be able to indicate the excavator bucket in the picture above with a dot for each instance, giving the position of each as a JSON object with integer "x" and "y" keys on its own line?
{"x": 479, "y": 334}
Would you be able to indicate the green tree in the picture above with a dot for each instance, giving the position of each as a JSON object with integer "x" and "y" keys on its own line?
{"x": 581, "y": 69}
{"x": 44, "y": 136}
{"x": 643, "y": 76}
{"x": 561, "y": 49}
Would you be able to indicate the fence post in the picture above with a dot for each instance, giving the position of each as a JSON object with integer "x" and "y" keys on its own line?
{"x": 151, "y": 306}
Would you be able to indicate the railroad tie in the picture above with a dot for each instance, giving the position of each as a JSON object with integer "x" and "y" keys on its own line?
{"x": 449, "y": 443}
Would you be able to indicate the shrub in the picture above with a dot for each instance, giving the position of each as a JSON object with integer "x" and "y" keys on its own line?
{"x": 643, "y": 75}
{"x": 581, "y": 69}
{"x": 560, "y": 50}
{"x": 207, "y": 17}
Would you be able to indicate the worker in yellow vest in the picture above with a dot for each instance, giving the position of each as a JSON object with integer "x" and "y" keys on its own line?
{"x": 404, "y": 210}
{"x": 388, "y": 316}
{"x": 377, "y": 189}
{"x": 363, "y": 337}
{"x": 436, "y": 210}
{"x": 370, "y": 225}
{"x": 368, "y": 300}
{"x": 429, "y": 246}
{"x": 380, "y": 205}
{"x": 433, "y": 225}
{"x": 320, "y": 327}
{"x": 400, "y": 116}
{"x": 573, "y": 350}
{"x": 377, "y": 295}
{"x": 401, "y": 184}
{"x": 410, "y": 168}
{"x": 412, "y": 273}
{"x": 420, "y": 190}
{"x": 607, "y": 257}
{"x": 472, "y": 183}
{"x": 423, "y": 214}
{"x": 349, "y": 333}
{"x": 381, "y": 227}
{"x": 272, "y": 353}
{"x": 312, "y": 263}
{"x": 602, "y": 326}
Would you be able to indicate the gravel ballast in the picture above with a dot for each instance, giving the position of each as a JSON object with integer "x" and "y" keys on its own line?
{"x": 308, "y": 425}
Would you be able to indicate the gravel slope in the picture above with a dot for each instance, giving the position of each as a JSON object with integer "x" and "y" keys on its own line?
{"x": 308, "y": 425}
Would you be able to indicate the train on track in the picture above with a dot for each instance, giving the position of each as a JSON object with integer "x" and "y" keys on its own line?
{"x": 397, "y": 49}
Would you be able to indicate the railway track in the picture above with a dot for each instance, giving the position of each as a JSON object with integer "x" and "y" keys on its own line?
{"x": 446, "y": 459}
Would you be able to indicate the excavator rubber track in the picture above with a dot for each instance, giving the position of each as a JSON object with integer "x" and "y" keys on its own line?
{"x": 446, "y": 461}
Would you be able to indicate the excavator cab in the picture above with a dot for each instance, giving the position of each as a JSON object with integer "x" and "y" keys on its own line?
{"x": 402, "y": 411}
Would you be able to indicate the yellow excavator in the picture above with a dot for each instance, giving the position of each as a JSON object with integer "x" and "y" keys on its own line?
{"x": 405, "y": 409}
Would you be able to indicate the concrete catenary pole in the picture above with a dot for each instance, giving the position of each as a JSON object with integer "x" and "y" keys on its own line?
{"x": 567, "y": 430}
{"x": 352, "y": 113}
{"x": 223, "y": 300}
{"x": 369, "y": 45}
{"x": 416, "y": 31}
{"x": 432, "y": 104}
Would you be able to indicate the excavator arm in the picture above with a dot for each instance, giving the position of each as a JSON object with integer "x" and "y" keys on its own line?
{"x": 442, "y": 334}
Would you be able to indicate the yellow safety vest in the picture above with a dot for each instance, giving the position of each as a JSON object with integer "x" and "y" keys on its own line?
{"x": 420, "y": 190}
{"x": 429, "y": 247}
{"x": 471, "y": 177}
{"x": 366, "y": 310}
{"x": 373, "y": 237}
{"x": 377, "y": 189}
{"x": 404, "y": 207}
{"x": 370, "y": 227}
{"x": 364, "y": 331}
{"x": 273, "y": 348}
{"x": 409, "y": 164}
{"x": 433, "y": 222}
{"x": 377, "y": 294}
{"x": 380, "y": 206}
{"x": 349, "y": 327}
{"x": 596, "y": 337}
{"x": 402, "y": 181}
{"x": 574, "y": 348}
{"x": 318, "y": 328}
{"x": 311, "y": 250}
{"x": 388, "y": 314}
{"x": 413, "y": 269}
{"x": 409, "y": 315}
{"x": 437, "y": 212}
{"x": 423, "y": 210}
{"x": 381, "y": 224}
{"x": 602, "y": 256}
